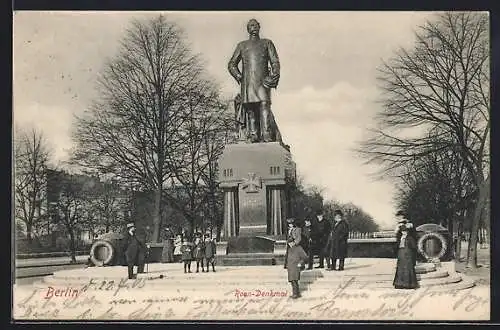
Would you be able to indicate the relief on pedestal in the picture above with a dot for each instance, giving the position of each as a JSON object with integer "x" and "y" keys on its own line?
{"x": 252, "y": 184}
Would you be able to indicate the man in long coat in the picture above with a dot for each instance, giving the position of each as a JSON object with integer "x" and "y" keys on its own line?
{"x": 320, "y": 231}
{"x": 256, "y": 80}
{"x": 135, "y": 252}
{"x": 306, "y": 242}
{"x": 338, "y": 241}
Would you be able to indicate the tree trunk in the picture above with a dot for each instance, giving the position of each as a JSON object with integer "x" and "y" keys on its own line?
{"x": 458, "y": 247}
{"x": 476, "y": 220}
{"x": 29, "y": 233}
{"x": 72, "y": 245}
{"x": 53, "y": 236}
{"x": 157, "y": 216}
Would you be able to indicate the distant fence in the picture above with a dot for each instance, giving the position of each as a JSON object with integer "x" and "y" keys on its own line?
{"x": 50, "y": 254}
{"x": 378, "y": 234}
{"x": 483, "y": 235}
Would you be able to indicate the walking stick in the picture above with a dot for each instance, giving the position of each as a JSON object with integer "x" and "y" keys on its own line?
{"x": 147, "y": 258}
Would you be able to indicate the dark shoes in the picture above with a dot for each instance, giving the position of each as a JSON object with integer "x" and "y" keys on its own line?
{"x": 295, "y": 290}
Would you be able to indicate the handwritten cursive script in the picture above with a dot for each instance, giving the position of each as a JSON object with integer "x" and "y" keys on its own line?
{"x": 122, "y": 300}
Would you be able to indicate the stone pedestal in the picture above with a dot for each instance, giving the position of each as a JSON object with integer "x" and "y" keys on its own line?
{"x": 256, "y": 180}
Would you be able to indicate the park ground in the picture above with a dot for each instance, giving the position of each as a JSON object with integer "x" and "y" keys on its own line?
{"x": 480, "y": 275}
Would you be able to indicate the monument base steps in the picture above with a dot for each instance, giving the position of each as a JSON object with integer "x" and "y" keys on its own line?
{"x": 358, "y": 275}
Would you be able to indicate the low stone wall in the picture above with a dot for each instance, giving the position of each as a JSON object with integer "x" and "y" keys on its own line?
{"x": 357, "y": 248}
{"x": 155, "y": 252}
{"x": 49, "y": 254}
{"x": 371, "y": 248}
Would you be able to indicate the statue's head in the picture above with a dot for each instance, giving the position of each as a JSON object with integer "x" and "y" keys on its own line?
{"x": 253, "y": 27}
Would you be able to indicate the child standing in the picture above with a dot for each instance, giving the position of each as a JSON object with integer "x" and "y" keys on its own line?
{"x": 187, "y": 254}
{"x": 177, "y": 249}
{"x": 210, "y": 251}
{"x": 199, "y": 252}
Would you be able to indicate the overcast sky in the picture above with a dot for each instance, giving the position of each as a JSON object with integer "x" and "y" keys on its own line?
{"x": 324, "y": 102}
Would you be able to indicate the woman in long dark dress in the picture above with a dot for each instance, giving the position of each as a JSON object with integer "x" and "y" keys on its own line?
{"x": 406, "y": 277}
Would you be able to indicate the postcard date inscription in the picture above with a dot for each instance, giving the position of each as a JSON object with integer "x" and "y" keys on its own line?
{"x": 129, "y": 301}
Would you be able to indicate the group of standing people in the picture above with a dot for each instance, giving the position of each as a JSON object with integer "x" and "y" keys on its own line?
{"x": 314, "y": 237}
{"x": 201, "y": 249}
{"x": 317, "y": 236}
{"x": 328, "y": 240}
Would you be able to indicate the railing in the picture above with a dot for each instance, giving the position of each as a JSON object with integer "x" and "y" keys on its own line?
{"x": 368, "y": 235}
{"x": 483, "y": 237}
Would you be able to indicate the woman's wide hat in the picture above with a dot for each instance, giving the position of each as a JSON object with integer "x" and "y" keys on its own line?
{"x": 130, "y": 225}
{"x": 290, "y": 220}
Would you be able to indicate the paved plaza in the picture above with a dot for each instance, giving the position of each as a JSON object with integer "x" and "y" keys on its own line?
{"x": 362, "y": 292}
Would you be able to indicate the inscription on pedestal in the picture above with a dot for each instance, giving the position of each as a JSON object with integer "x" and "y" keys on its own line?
{"x": 253, "y": 209}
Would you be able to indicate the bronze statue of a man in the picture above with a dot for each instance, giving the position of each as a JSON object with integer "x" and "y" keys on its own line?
{"x": 256, "y": 80}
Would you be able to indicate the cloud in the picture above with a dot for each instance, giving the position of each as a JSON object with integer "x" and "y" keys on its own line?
{"x": 54, "y": 122}
{"x": 322, "y": 128}
{"x": 342, "y": 104}
{"x": 323, "y": 105}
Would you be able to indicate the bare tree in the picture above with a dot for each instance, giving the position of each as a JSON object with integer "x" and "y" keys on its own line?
{"x": 436, "y": 189}
{"x": 31, "y": 154}
{"x": 105, "y": 207}
{"x": 359, "y": 221}
{"x": 306, "y": 199}
{"x": 206, "y": 131}
{"x": 441, "y": 89}
{"x": 71, "y": 205}
{"x": 133, "y": 130}
{"x": 214, "y": 140}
